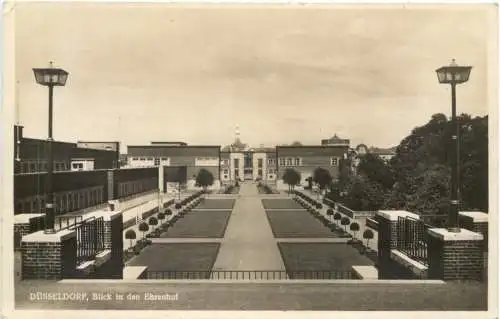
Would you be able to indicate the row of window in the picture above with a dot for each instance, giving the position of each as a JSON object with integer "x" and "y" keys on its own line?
{"x": 334, "y": 161}
{"x": 290, "y": 161}
{"x": 259, "y": 172}
{"x": 150, "y": 159}
{"x": 130, "y": 188}
{"x": 41, "y": 166}
{"x": 64, "y": 202}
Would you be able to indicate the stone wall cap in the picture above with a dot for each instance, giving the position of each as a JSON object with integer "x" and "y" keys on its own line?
{"x": 393, "y": 215}
{"x": 445, "y": 235}
{"x": 25, "y": 218}
{"x": 133, "y": 272}
{"x": 107, "y": 215}
{"x": 41, "y": 237}
{"x": 477, "y": 216}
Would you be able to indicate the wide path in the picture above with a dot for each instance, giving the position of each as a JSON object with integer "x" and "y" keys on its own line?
{"x": 248, "y": 243}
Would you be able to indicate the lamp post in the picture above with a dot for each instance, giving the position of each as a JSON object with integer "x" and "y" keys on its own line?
{"x": 453, "y": 75}
{"x": 50, "y": 77}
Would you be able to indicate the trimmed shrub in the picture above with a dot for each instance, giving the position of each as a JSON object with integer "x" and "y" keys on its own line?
{"x": 344, "y": 221}
{"x": 337, "y": 217}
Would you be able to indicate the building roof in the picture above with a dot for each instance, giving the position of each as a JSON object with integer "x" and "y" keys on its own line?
{"x": 312, "y": 150}
{"x": 173, "y": 150}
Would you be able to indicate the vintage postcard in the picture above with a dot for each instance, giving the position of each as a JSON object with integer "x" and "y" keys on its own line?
{"x": 298, "y": 158}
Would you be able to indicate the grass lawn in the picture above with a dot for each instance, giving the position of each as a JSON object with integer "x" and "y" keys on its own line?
{"x": 280, "y": 204}
{"x": 200, "y": 224}
{"x": 321, "y": 256}
{"x": 216, "y": 204}
{"x": 177, "y": 257}
{"x": 297, "y": 224}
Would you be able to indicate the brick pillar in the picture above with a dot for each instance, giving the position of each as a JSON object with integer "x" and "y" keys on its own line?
{"x": 113, "y": 240}
{"x": 388, "y": 239}
{"x": 49, "y": 256}
{"x": 455, "y": 256}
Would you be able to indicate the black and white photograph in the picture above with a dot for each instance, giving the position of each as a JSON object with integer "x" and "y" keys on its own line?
{"x": 319, "y": 158}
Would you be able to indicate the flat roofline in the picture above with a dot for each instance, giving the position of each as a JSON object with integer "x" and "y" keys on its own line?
{"x": 312, "y": 146}
{"x": 98, "y": 142}
{"x": 179, "y": 146}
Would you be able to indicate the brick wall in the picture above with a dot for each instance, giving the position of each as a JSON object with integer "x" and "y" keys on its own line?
{"x": 49, "y": 260}
{"x": 455, "y": 260}
{"x": 19, "y": 231}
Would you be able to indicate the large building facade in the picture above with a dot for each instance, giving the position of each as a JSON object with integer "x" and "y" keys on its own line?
{"x": 185, "y": 160}
{"x": 305, "y": 159}
{"x": 30, "y": 155}
{"x": 237, "y": 162}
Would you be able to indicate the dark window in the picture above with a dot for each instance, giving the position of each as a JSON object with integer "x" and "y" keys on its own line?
{"x": 259, "y": 172}
{"x": 236, "y": 162}
{"x": 157, "y": 161}
{"x": 236, "y": 172}
{"x": 259, "y": 162}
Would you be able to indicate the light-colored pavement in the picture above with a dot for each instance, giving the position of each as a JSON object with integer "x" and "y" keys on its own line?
{"x": 136, "y": 212}
{"x": 248, "y": 243}
{"x": 164, "y": 240}
{"x": 372, "y": 243}
{"x": 312, "y": 240}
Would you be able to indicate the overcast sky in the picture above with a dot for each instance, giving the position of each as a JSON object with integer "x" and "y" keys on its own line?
{"x": 160, "y": 72}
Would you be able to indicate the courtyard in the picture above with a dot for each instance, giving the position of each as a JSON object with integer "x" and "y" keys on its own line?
{"x": 250, "y": 235}
{"x": 256, "y": 234}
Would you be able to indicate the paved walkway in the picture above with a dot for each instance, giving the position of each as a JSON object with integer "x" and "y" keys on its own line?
{"x": 372, "y": 243}
{"x": 312, "y": 240}
{"x": 248, "y": 243}
{"x": 136, "y": 212}
{"x": 164, "y": 240}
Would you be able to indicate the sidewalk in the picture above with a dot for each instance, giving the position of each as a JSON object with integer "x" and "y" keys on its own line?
{"x": 136, "y": 213}
{"x": 248, "y": 243}
{"x": 361, "y": 222}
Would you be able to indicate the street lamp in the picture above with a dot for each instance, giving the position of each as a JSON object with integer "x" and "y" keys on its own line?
{"x": 453, "y": 75}
{"x": 50, "y": 77}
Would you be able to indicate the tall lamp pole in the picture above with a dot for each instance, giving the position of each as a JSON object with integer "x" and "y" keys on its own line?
{"x": 454, "y": 74}
{"x": 50, "y": 77}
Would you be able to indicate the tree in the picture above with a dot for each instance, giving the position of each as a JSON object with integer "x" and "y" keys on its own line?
{"x": 168, "y": 212}
{"x": 130, "y": 234}
{"x": 153, "y": 222}
{"x": 291, "y": 177}
{"x": 368, "y": 234}
{"x": 376, "y": 170}
{"x": 204, "y": 179}
{"x": 143, "y": 227}
{"x": 354, "y": 227}
{"x": 345, "y": 221}
{"x": 422, "y": 171}
{"x": 364, "y": 195}
{"x": 296, "y": 143}
{"x": 337, "y": 217}
{"x": 161, "y": 217}
{"x": 322, "y": 177}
